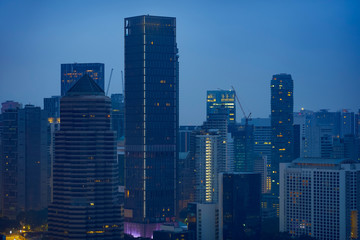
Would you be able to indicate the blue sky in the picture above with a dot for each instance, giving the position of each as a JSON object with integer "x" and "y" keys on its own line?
{"x": 239, "y": 43}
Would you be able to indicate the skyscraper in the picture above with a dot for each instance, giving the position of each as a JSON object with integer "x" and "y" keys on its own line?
{"x": 221, "y": 99}
{"x": 151, "y": 120}
{"x": 72, "y": 72}
{"x": 86, "y": 202}
{"x": 282, "y": 105}
{"x": 25, "y": 171}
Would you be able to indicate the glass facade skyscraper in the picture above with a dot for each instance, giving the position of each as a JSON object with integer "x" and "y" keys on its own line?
{"x": 221, "y": 99}
{"x": 282, "y": 137}
{"x": 72, "y": 72}
{"x": 151, "y": 120}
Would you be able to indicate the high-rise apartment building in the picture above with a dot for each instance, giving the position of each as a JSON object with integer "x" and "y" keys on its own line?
{"x": 282, "y": 105}
{"x": 151, "y": 120}
{"x": 204, "y": 221}
{"x": 221, "y": 99}
{"x": 72, "y": 72}
{"x": 320, "y": 198}
{"x": 207, "y": 165}
{"x": 86, "y": 203}
{"x": 25, "y": 165}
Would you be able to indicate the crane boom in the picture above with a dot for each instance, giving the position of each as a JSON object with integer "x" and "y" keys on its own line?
{"x": 107, "y": 90}
{"x": 247, "y": 117}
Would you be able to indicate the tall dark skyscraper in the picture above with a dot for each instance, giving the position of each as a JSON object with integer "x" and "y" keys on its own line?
{"x": 72, "y": 72}
{"x": 86, "y": 200}
{"x": 151, "y": 120}
{"x": 282, "y": 108}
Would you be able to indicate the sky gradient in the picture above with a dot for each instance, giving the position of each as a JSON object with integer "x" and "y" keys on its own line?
{"x": 221, "y": 44}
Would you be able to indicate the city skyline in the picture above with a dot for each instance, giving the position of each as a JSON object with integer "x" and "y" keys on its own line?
{"x": 318, "y": 48}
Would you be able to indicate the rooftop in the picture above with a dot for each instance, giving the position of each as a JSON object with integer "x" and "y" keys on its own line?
{"x": 85, "y": 86}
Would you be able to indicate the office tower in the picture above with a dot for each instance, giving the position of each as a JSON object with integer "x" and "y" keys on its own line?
{"x": 151, "y": 120}
{"x": 184, "y": 137}
{"x": 52, "y": 107}
{"x": 282, "y": 104}
{"x": 204, "y": 220}
{"x": 243, "y": 136}
{"x": 240, "y": 205}
{"x": 320, "y": 198}
{"x": 221, "y": 99}
{"x": 72, "y": 72}
{"x": 25, "y": 183}
{"x": 86, "y": 201}
{"x": 117, "y": 115}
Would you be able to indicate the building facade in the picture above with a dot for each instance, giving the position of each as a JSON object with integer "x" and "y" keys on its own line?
{"x": 86, "y": 202}
{"x": 240, "y": 205}
{"x": 222, "y": 99}
{"x": 320, "y": 198}
{"x": 118, "y": 115}
{"x": 282, "y": 107}
{"x": 204, "y": 221}
{"x": 25, "y": 169}
{"x": 152, "y": 122}
{"x": 72, "y": 72}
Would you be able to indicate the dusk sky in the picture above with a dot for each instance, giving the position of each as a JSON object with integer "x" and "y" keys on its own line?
{"x": 221, "y": 43}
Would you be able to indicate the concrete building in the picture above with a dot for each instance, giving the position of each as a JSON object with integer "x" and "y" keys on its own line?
{"x": 204, "y": 220}
{"x": 320, "y": 198}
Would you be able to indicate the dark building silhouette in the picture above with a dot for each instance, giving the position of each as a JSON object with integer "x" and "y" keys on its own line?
{"x": 25, "y": 165}
{"x": 184, "y": 137}
{"x": 117, "y": 115}
{"x": 282, "y": 105}
{"x": 244, "y": 155}
{"x": 240, "y": 205}
{"x": 72, "y": 72}
{"x": 86, "y": 201}
{"x": 151, "y": 120}
{"x": 52, "y": 107}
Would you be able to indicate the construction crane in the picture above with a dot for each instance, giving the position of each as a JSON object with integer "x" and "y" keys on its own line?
{"x": 247, "y": 117}
{"x": 107, "y": 90}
